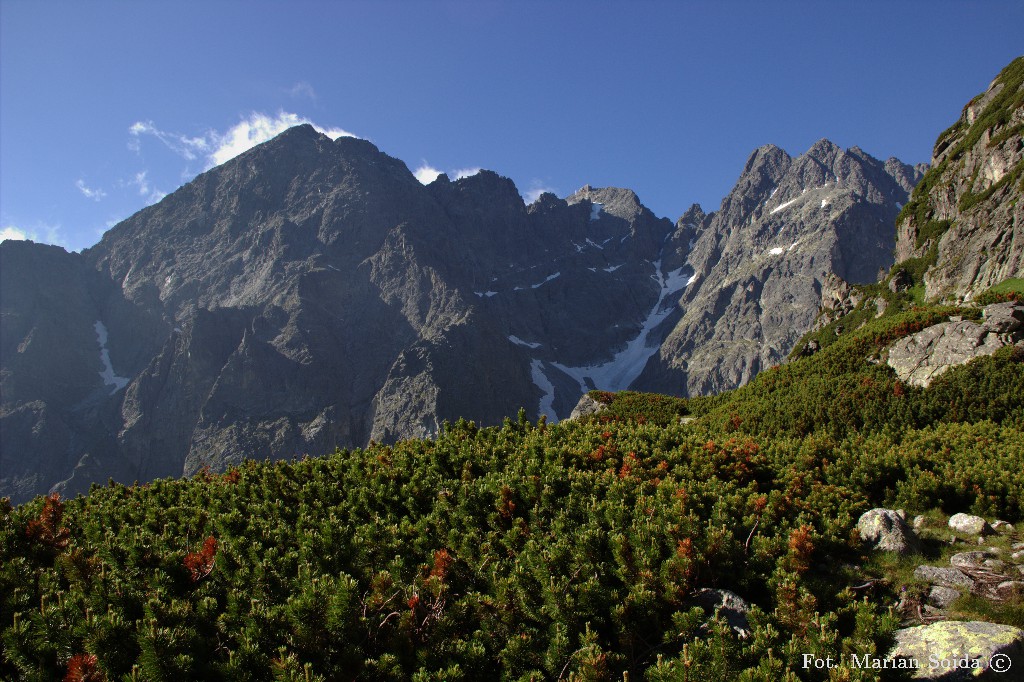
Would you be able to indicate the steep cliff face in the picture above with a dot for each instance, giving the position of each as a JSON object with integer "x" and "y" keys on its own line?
{"x": 963, "y": 230}
{"x": 759, "y": 263}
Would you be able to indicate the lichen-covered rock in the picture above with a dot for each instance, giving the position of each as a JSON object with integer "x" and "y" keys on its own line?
{"x": 949, "y": 577}
{"x": 962, "y": 650}
{"x": 886, "y": 530}
{"x": 969, "y": 524}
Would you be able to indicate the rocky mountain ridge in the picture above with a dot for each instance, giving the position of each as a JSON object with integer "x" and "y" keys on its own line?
{"x": 312, "y": 294}
{"x": 761, "y": 263}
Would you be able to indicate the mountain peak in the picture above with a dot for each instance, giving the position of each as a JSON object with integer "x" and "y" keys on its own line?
{"x": 825, "y": 152}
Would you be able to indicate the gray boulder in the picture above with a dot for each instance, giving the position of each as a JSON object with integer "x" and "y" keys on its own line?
{"x": 1005, "y": 318}
{"x": 919, "y": 358}
{"x": 942, "y": 597}
{"x": 968, "y": 559}
{"x": 948, "y": 577}
{"x": 962, "y": 650}
{"x": 886, "y": 530}
{"x": 969, "y": 524}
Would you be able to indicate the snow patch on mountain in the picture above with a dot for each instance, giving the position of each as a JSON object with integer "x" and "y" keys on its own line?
{"x": 626, "y": 365}
{"x": 784, "y": 205}
{"x": 547, "y": 399}
{"x": 519, "y": 342}
{"x": 108, "y": 376}
{"x": 546, "y": 280}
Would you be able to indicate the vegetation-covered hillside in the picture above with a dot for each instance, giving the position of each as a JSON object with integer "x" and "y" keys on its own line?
{"x": 531, "y": 551}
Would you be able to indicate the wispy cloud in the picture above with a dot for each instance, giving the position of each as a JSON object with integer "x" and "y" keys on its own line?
{"x": 302, "y": 89}
{"x": 215, "y": 147}
{"x": 88, "y": 192}
{"x": 188, "y": 147}
{"x": 426, "y": 173}
{"x": 150, "y": 193}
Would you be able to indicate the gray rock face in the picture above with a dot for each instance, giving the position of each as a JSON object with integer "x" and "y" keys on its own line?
{"x": 886, "y": 530}
{"x": 970, "y": 524}
{"x": 977, "y": 166}
{"x": 919, "y": 358}
{"x": 786, "y": 234}
{"x": 961, "y": 650}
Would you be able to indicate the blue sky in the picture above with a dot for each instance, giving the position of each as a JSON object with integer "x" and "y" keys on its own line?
{"x": 106, "y": 106}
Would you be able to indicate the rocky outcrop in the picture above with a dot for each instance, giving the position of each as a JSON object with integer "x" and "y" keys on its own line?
{"x": 966, "y": 218}
{"x": 961, "y": 650}
{"x": 919, "y": 358}
{"x": 789, "y": 232}
{"x": 587, "y": 406}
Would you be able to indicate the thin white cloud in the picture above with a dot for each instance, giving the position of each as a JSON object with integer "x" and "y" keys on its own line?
{"x": 465, "y": 172}
{"x": 216, "y": 148}
{"x": 188, "y": 147}
{"x": 536, "y": 188}
{"x": 150, "y": 193}
{"x": 41, "y": 233}
{"x": 426, "y": 173}
{"x": 302, "y": 89}
{"x": 88, "y": 192}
